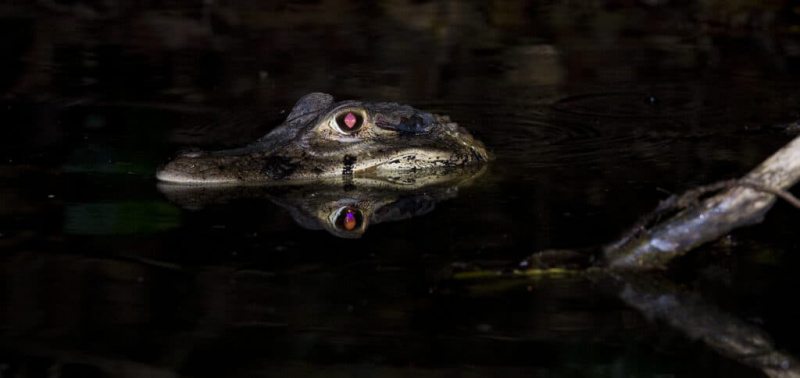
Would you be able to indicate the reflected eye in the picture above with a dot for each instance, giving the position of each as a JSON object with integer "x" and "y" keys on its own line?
{"x": 348, "y": 121}
{"x": 348, "y": 219}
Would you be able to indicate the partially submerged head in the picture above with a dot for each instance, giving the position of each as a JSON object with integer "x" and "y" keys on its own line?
{"x": 326, "y": 139}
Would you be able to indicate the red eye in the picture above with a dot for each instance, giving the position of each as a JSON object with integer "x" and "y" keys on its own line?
{"x": 349, "y": 122}
{"x": 349, "y": 219}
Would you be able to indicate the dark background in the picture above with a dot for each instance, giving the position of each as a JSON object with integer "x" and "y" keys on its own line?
{"x": 595, "y": 110}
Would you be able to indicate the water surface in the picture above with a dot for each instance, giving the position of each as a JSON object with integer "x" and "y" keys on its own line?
{"x": 594, "y": 114}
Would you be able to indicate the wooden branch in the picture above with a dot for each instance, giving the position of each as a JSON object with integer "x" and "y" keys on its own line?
{"x": 744, "y": 203}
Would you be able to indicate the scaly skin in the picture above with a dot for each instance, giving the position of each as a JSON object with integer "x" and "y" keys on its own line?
{"x": 391, "y": 141}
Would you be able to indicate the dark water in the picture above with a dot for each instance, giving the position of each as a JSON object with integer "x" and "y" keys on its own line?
{"x": 595, "y": 111}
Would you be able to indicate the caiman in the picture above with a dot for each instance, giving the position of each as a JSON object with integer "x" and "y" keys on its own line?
{"x": 323, "y": 139}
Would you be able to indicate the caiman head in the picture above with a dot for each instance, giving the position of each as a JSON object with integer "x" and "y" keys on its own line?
{"x": 325, "y": 139}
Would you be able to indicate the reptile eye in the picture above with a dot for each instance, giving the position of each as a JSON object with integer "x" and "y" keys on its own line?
{"x": 348, "y": 219}
{"x": 348, "y": 121}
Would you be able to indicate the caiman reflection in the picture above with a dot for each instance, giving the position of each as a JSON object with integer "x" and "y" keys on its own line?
{"x": 344, "y": 207}
{"x": 323, "y": 139}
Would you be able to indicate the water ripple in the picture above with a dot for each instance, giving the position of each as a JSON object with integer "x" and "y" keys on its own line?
{"x": 660, "y": 102}
{"x": 533, "y": 137}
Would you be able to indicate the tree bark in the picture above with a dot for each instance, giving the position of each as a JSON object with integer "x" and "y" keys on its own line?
{"x": 714, "y": 217}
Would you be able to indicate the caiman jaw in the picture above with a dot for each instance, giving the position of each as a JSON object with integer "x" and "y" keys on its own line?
{"x": 210, "y": 168}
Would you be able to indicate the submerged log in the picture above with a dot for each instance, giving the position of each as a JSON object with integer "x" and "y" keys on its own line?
{"x": 745, "y": 203}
